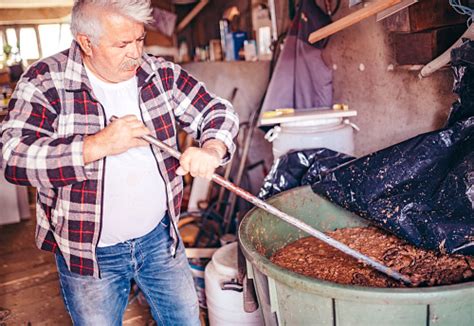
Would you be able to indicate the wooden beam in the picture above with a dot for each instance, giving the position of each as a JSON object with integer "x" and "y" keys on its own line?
{"x": 422, "y": 16}
{"x": 445, "y": 58}
{"x": 16, "y": 4}
{"x": 34, "y": 16}
{"x": 422, "y": 47}
{"x": 193, "y": 13}
{"x": 351, "y": 19}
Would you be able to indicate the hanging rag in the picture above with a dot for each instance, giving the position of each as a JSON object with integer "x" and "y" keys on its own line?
{"x": 301, "y": 79}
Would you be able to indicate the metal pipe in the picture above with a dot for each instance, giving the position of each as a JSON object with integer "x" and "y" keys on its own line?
{"x": 288, "y": 218}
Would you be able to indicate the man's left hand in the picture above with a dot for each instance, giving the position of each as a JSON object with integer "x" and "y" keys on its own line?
{"x": 202, "y": 162}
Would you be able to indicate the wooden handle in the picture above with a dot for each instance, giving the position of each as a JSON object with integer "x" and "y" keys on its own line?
{"x": 351, "y": 19}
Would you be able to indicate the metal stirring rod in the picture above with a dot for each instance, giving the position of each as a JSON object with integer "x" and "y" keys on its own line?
{"x": 287, "y": 218}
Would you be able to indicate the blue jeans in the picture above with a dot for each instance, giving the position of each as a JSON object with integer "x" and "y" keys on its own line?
{"x": 165, "y": 281}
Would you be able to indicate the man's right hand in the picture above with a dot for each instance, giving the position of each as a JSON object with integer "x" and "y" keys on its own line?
{"x": 118, "y": 137}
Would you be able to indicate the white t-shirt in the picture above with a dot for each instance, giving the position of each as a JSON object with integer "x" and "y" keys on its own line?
{"x": 134, "y": 190}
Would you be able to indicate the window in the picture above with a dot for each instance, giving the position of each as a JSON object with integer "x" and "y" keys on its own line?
{"x": 12, "y": 39}
{"x": 10, "y": 50}
{"x": 28, "y": 44}
{"x": 65, "y": 37}
{"x": 2, "y": 43}
{"x": 25, "y": 44}
{"x": 54, "y": 38}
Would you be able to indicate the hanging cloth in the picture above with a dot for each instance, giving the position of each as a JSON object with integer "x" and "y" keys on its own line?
{"x": 301, "y": 79}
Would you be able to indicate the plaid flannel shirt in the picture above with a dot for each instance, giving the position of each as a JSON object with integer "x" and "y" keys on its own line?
{"x": 51, "y": 111}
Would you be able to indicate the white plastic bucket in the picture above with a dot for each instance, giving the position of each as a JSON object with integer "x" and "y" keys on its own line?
{"x": 336, "y": 134}
{"x": 223, "y": 295}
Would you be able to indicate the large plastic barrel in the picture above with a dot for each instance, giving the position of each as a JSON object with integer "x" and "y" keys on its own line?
{"x": 223, "y": 294}
{"x": 308, "y": 134}
{"x": 288, "y": 298}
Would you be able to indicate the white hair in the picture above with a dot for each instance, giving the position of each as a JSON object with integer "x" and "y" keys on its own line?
{"x": 83, "y": 22}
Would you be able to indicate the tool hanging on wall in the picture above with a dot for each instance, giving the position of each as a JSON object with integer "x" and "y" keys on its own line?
{"x": 286, "y": 217}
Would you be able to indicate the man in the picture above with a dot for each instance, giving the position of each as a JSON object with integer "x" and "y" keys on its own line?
{"x": 107, "y": 201}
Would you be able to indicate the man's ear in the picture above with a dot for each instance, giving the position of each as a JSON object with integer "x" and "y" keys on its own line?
{"x": 85, "y": 44}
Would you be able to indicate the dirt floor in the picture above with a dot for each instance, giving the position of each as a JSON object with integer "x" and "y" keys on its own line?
{"x": 312, "y": 257}
{"x": 29, "y": 287}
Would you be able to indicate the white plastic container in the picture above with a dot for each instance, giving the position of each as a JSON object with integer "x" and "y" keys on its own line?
{"x": 334, "y": 133}
{"x": 224, "y": 301}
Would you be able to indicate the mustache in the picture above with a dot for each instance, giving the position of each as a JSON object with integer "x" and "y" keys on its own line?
{"x": 131, "y": 63}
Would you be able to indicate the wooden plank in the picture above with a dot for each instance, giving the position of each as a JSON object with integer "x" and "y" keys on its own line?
{"x": 37, "y": 312}
{"x": 193, "y": 13}
{"x": 15, "y": 281}
{"x": 10, "y": 239}
{"x": 50, "y": 312}
{"x": 422, "y": 47}
{"x": 24, "y": 260}
{"x": 44, "y": 291}
{"x": 424, "y": 15}
{"x": 351, "y": 19}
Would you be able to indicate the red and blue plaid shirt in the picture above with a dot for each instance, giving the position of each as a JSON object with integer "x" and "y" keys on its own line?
{"x": 51, "y": 111}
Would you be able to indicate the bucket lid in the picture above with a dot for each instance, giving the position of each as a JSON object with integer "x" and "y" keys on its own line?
{"x": 225, "y": 260}
{"x": 307, "y": 114}
{"x": 311, "y": 124}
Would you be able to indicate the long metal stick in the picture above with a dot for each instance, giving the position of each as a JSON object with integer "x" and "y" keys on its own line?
{"x": 288, "y": 218}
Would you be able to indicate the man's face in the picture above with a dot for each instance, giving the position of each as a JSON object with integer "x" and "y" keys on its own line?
{"x": 117, "y": 56}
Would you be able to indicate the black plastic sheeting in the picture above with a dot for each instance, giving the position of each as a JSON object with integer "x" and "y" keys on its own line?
{"x": 421, "y": 190}
{"x": 299, "y": 168}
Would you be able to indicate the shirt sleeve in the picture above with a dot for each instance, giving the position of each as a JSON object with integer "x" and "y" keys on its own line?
{"x": 202, "y": 114}
{"x": 32, "y": 152}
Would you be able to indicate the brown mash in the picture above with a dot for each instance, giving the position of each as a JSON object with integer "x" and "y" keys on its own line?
{"x": 312, "y": 257}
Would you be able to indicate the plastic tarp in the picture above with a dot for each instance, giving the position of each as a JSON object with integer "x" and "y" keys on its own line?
{"x": 299, "y": 168}
{"x": 421, "y": 190}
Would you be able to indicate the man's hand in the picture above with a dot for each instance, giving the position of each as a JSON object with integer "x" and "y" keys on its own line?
{"x": 118, "y": 137}
{"x": 202, "y": 162}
